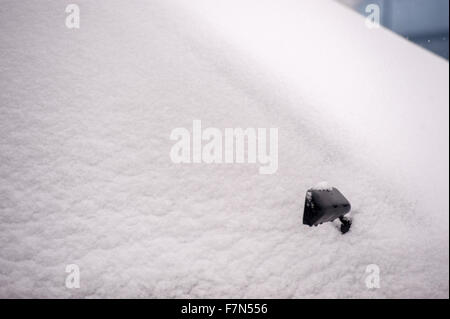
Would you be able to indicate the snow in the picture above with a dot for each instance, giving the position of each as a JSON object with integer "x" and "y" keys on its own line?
{"x": 322, "y": 186}
{"x": 86, "y": 176}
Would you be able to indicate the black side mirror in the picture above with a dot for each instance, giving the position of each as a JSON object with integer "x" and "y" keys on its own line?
{"x": 325, "y": 204}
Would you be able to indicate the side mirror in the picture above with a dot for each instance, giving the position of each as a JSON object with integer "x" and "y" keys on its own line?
{"x": 325, "y": 204}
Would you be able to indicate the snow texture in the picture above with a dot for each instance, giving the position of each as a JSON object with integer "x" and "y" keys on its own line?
{"x": 322, "y": 186}
{"x": 86, "y": 177}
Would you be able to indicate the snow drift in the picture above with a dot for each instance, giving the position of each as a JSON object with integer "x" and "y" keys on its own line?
{"x": 86, "y": 176}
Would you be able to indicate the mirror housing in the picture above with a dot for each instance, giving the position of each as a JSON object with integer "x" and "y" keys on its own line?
{"x": 325, "y": 205}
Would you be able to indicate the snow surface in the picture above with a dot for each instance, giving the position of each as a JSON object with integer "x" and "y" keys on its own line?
{"x": 86, "y": 177}
{"x": 322, "y": 186}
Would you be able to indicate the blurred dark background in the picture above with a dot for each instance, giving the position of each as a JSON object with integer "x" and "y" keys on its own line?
{"x": 424, "y": 22}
